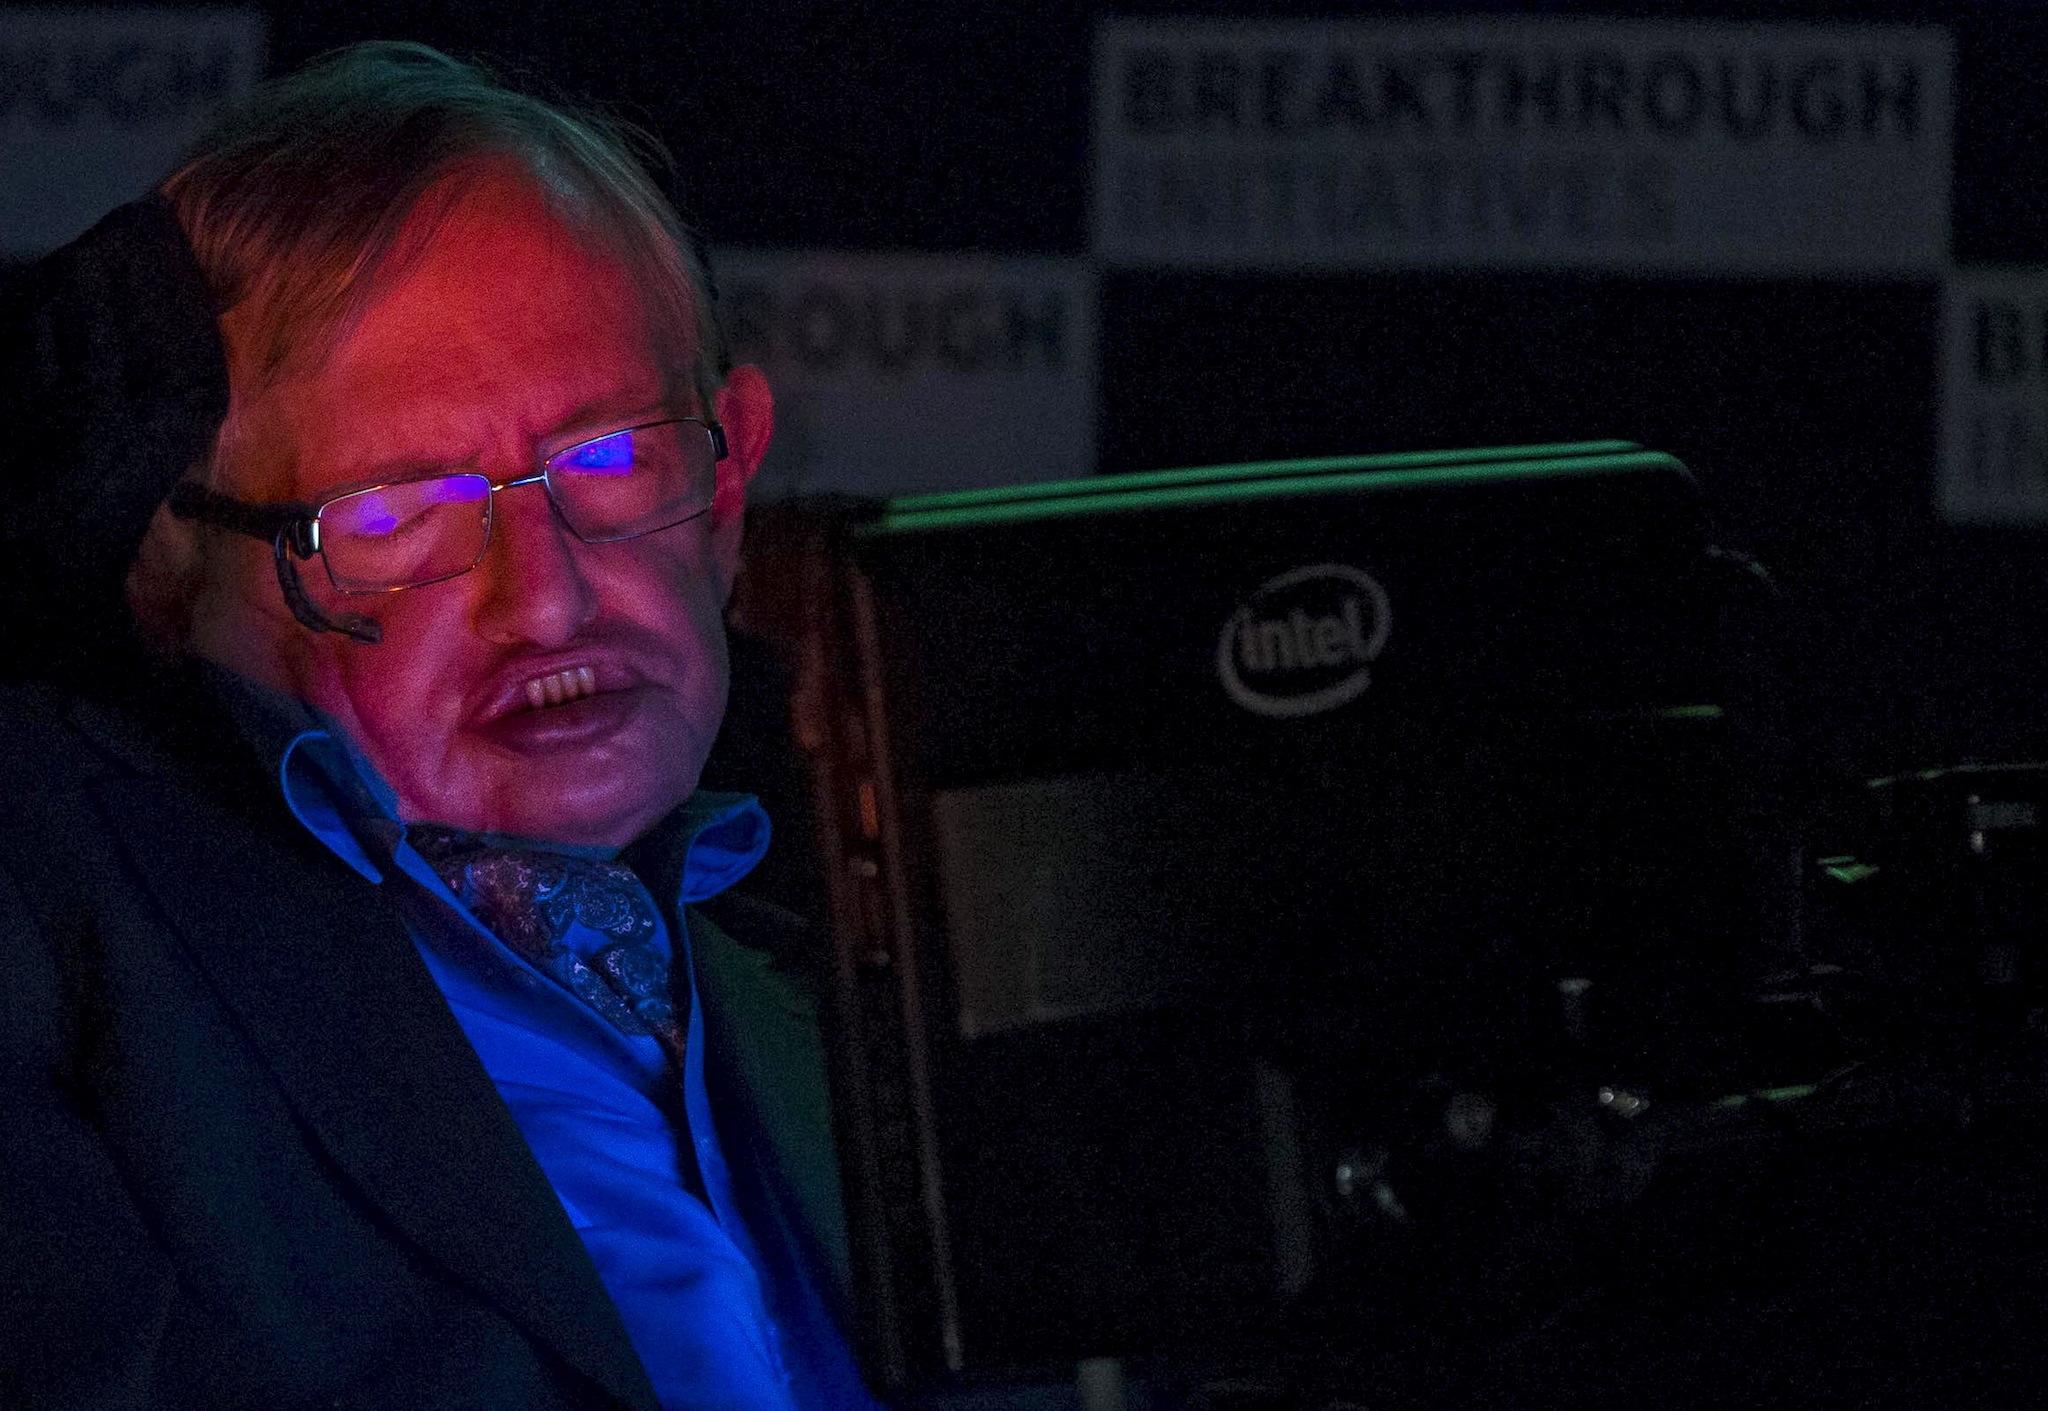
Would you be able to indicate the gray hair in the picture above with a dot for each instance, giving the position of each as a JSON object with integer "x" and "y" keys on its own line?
{"x": 297, "y": 199}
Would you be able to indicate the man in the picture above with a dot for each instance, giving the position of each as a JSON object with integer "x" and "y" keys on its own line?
{"x": 377, "y": 1033}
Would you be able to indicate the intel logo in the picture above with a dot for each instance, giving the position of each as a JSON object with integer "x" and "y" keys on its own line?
{"x": 1304, "y": 642}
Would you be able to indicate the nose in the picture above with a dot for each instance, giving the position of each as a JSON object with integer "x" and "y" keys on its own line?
{"x": 533, "y": 589}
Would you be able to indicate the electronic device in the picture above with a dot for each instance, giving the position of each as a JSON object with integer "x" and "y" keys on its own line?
{"x": 1188, "y": 832}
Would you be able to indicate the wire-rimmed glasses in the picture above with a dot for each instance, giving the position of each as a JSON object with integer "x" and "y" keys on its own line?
{"x": 423, "y": 529}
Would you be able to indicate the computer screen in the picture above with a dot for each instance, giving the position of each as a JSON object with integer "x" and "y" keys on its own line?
{"x": 1184, "y": 827}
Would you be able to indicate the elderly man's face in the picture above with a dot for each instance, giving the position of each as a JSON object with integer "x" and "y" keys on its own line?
{"x": 506, "y": 334}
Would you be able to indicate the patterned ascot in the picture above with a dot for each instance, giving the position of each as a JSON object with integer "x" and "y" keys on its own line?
{"x": 531, "y": 897}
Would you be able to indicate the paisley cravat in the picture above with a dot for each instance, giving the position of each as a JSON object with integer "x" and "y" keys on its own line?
{"x": 532, "y": 899}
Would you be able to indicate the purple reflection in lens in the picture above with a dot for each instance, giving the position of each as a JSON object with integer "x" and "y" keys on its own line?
{"x": 379, "y": 513}
{"x": 368, "y": 514}
{"x": 458, "y": 490}
{"x": 607, "y": 455}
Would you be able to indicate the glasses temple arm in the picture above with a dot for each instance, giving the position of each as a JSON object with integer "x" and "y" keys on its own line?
{"x": 266, "y": 522}
{"x": 349, "y": 624}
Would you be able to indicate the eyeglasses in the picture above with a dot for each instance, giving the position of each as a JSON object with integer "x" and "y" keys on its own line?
{"x": 408, "y": 533}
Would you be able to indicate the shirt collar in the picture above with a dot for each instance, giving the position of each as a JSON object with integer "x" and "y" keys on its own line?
{"x": 710, "y": 843}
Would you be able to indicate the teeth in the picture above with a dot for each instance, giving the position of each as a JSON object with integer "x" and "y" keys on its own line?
{"x": 561, "y": 687}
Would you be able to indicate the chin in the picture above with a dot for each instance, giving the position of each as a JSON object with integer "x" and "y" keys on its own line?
{"x": 596, "y": 821}
{"x": 550, "y": 801}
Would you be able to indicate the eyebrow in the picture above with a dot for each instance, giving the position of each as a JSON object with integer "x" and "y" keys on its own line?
{"x": 592, "y": 418}
{"x": 599, "y": 416}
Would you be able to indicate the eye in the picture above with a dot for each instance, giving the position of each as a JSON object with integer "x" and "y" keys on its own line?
{"x": 607, "y": 455}
{"x": 371, "y": 515}
{"x": 397, "y": 510}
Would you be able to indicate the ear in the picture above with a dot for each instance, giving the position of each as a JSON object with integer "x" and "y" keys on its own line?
{"x": 745, "y": 408}
{"x": 166, "y": 576}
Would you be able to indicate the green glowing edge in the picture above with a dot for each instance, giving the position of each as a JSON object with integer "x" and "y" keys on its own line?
{"x": 1929, "y": 776}
{"x": 1676, "y": 712}
{"x": 1690, "y": 712}
{"x": 1791, "y": 1093}
{"x": 1248, "y": 470}
{"x": 1200, "y": 487}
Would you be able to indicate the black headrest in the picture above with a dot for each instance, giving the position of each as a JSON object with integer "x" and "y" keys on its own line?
{"x": 113, "y": 382}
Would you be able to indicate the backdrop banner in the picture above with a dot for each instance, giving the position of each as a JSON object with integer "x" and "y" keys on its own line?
{"x": 1523, "y": 143}
{"x": 896, "y": 373}
{"x": 1992, "y": 462}
{"x": 96, "y": 106}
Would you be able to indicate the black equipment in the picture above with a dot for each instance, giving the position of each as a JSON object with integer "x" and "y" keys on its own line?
{"x": 1227, "y": 864}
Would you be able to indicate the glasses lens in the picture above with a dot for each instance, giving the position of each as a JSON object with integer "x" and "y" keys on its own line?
{"x": 403, "y": 535}
{"x": 634, "y": 481}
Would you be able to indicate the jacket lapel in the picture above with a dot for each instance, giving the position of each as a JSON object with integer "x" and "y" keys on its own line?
{"x": 761, "y": 1031}
{"x": 329, "y": 989}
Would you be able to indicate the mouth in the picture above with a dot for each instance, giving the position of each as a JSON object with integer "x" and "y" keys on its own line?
{"x": 544, "y": 685}
{"x": 573, "y": 707}
{"x": 559, "y": 688}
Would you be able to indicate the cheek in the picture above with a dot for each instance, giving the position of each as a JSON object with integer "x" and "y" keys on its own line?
{"x": 398, "y": 679}
{"x": 666, "y": 598}
{"x": 400, "y": 698}
{"x": 667, "y": 590}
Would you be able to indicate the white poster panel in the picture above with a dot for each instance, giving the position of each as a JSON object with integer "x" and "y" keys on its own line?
{"x": 1523, "y": 143}
{"x": 897, "y": 373}
{"x": 96, "y": 106}
{"x": 1992, "y": 457}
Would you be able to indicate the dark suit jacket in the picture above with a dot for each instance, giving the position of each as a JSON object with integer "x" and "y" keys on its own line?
{"x": 248, "y": 1159}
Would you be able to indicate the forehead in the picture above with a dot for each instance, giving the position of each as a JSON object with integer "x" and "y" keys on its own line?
{"x": 501, "y": 328}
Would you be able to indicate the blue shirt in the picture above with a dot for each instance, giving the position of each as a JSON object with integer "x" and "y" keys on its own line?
{"x": 600, "y": 1109}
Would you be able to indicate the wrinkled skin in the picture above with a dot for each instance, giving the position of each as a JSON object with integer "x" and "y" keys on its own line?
{"x": 506, "y": 332}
